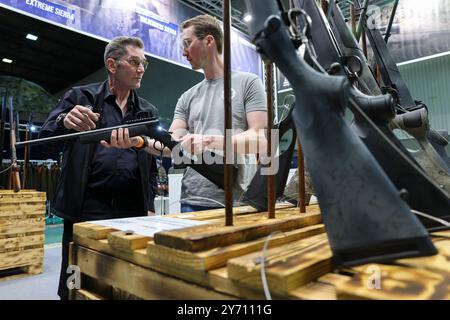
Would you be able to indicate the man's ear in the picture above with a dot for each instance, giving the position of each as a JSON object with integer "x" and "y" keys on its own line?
{"x": 111, "y": 65}
{"x": 210, "y": 41}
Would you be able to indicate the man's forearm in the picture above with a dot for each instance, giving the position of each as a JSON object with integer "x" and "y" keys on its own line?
{"x": 251, "y": 141}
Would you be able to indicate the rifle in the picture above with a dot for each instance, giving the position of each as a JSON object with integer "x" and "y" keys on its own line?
{"x": 372, "y": 125}
{"x": 27, "y": 151}
{"x": 395, "y": 84}
{"x": 2, "y": 123}
{"x": 15, "y": 169}
{"x": 256, "y": 193}
{"x": 348, "y": 166}
{"x": 149, "y": 127}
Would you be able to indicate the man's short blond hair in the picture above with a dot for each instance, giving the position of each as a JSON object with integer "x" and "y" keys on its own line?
{"x": 206, "y": 25}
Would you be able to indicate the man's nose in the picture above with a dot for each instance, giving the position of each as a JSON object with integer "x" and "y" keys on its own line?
{"x": 141, "y": 68}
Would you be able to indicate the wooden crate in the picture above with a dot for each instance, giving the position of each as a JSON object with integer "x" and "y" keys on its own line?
{"x": 217, "y": 262}
{"x": 22, "y": 226}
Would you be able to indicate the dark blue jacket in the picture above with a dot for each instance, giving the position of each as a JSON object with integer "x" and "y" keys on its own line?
{"x": 71, "y": 188}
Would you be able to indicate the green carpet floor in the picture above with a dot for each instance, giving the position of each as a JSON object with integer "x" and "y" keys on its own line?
{"x": 53, "y": 233}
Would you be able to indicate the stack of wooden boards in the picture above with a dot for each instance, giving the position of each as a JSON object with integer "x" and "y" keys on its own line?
{"x": 22, "y": 226}
{"x": 216, "y": 262}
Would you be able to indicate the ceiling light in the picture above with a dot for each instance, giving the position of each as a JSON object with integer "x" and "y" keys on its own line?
{"x": 6, "y": 60}
{"x": 248, "y": 18}
{"x": 31, "y": 37}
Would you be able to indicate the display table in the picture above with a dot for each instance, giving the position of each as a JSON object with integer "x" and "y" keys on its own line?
{"x": 210, "y": 261}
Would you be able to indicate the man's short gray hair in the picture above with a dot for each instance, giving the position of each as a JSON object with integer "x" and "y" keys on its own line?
{"x": 117, "y": 47}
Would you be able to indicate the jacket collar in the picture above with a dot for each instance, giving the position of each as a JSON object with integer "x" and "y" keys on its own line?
{"x": 104, "y": 91}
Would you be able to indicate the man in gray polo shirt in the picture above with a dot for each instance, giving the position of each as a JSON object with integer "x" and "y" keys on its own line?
{"x": 198, "y": 118}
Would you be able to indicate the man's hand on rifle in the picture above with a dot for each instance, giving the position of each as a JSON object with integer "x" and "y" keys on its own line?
{"x": 121, "y": 139}
{"x": 81, "y": 119}
{"x": 196, "y": 143}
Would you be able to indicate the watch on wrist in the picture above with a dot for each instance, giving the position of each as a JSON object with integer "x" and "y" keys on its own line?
{"x": 60, "y": 119}
{"x": 147, "y": 141}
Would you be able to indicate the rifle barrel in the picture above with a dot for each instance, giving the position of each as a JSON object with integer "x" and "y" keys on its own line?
{"x": 92, "y": 135}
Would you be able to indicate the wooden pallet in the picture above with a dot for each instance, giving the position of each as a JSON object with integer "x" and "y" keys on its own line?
{"x": 20, "y": 272}
{"x": 22, "y": 225}
{"x": 216, "y": 262}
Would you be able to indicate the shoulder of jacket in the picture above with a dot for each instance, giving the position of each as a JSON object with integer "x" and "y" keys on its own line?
{"x": 88, "y": 89}
{"x": 145, "y": 105}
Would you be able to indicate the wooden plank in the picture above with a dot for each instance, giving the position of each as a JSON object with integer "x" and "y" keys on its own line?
{"x": 246, "y": 228}
{"x": 144, "y": 283}
{"x": 314, "y": 291}
{"x": 219, "y": 280}
{"x": 128, "y": 242}
{"x": 8, "y": 196}
{"x": 411, "y": 278}
{"x": 86, "y": 295}
{"x": 220, "y": 213}
{"x": 167, "y": 258}
{"x": 91, "y": 230}
{"x": 35, "y": 268}
{"x": 17, "y": 209}
{"x": 138, "y": 256}
{"x": 439, "y": 262}
{"x": 395, "y": 283}
{"x": 287, "y": 267}
{"x": 11, "y": 226}
{"x": 20, "y": 272}
{"x": 14, "y": 243}
{"x": 21, "y": 258}
{"x": 324, "y": 288}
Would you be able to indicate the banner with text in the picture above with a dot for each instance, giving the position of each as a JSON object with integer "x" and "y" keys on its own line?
{"x": 156, "y": 22}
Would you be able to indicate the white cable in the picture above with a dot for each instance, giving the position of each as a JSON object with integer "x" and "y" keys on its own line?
{"x": 441, "y": 221}
{"x": 262, "y": 260}
{"x": 3, "y": 171}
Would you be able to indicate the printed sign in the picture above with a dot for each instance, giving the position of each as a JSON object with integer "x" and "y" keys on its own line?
{"x": 148, "y": 226}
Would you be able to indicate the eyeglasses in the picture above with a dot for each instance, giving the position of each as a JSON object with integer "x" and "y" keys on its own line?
{"x": 187, "y": 43}
{"x": 136, "y": 62}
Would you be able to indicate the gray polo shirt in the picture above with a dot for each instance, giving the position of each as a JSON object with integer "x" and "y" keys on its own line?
{"x": 201, "y": 107}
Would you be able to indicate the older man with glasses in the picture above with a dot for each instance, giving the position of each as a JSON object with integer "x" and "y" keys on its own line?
{"x": 114, "y": 179}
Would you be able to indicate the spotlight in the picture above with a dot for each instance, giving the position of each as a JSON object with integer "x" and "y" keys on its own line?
{"x": 31, "y": 37}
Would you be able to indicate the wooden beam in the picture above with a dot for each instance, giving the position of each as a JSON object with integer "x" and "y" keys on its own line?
{"x": 144, "y": 283}
{"x": 210, "y": 236}
{"x": 216, "y": 258}
{"x": 286, "y": 267}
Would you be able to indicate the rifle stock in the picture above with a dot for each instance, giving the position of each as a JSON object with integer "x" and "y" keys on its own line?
{"x": 256, "y": 193}
{"x": 348, "y": 167}
{"x": 372, "y": 114}
{"x": 394, "y": 82}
